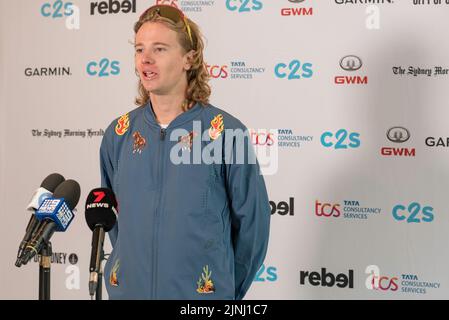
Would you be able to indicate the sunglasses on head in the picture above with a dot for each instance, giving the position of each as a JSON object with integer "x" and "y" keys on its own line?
{"x": 171, "y": 13}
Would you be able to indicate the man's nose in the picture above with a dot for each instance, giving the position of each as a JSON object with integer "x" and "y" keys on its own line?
{"x": 147, "y": 58}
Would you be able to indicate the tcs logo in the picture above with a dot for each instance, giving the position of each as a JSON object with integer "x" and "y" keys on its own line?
{"x": 377, "y": 282}
{"x": 217, "y": 72}
{"x": 262, "y": 138}
{"x": 294, "y": 70}
{"x": 58, "y": 9}
{"x": 327, "y": 209}
{"x": 104, "y": 68}
{"x": 341, "y": 140}
{"x": 414, "y": 213}
{"x": 244, "y": 5}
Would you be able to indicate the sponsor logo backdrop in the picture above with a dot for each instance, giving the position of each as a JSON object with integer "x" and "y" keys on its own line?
{"x": 354, "y": 95}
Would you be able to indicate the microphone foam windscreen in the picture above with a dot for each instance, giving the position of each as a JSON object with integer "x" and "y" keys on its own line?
{"x": 69, "y": 190}
{"x": 101, "y": 206}
{"x": 52, "y": 182}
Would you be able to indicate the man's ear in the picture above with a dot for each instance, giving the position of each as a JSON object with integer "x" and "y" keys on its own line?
{"x": 188, "y": 60}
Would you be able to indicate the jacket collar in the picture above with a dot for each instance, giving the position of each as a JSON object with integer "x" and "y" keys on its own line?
{"x": 184, "y": 117}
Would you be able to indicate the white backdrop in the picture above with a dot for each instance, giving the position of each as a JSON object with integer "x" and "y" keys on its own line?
{"x": 338, "y": 130}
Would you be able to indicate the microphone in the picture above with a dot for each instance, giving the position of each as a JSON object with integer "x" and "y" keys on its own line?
{"x": 101, "y": 217}
{"x": 45, "y": 191}
{"x": 55, "y": 214}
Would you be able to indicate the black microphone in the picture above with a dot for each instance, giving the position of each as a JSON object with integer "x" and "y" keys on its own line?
{"x": 45, "y": 191}
{"x": 101, "y": 216}
{"x": 55, "y": 214}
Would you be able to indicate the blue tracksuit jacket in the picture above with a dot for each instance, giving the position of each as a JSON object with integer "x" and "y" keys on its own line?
{"x": 184, "y": 231}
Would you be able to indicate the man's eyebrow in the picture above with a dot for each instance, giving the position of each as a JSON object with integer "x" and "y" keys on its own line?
{"x": 154, "y": 44}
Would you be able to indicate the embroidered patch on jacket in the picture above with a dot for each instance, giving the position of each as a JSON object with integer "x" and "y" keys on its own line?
{"x": 139, "y": 142}
{"x": 216, "y": 127}
{"x": 187, "y": 140}
{"x": 122, "y": 125}
{"x": 113, "y": 280}
{"x": 205, "y": 284}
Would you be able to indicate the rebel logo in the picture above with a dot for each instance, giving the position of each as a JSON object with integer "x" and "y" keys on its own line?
{"x": 283, "y": 208}
{"x": 112, "y": 7}
{"x": 327, "y": 279}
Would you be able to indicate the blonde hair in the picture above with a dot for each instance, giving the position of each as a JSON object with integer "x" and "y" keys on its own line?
{"x": 198, "y": 89}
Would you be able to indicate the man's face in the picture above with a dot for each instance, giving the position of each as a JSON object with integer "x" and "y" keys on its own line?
{"x": 160, "y": 59}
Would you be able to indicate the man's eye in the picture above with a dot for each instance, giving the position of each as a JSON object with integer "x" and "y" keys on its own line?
{"x": 159, "y": 49}
{"x": 139, "y": 50}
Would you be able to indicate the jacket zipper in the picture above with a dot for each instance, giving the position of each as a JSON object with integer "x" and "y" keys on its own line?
{"x": 156, "y": 222}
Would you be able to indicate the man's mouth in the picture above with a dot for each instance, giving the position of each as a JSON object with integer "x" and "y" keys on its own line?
{"x": 148, "y": 75}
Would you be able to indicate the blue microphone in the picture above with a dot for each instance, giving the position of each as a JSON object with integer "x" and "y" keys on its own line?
{"x": 48, "y": 186}
{"x": 55, "y": 214}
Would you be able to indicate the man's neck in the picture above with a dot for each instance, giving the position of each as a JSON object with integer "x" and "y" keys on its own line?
{"x": 167, "y": 108}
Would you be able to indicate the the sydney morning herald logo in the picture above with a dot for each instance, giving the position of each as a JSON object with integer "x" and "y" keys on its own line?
{"x": 60, "y": 258}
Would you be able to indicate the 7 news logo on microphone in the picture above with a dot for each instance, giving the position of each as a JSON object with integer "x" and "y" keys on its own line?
{"x": 99, "y": 196}
{"x": 101, "y": 216}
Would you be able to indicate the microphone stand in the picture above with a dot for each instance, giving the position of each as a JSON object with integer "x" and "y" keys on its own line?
{"x": 44, "y": 271}
{"x": 98, "y": 293}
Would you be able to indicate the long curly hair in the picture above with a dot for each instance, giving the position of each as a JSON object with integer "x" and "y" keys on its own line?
{"x": 198, "y": 89}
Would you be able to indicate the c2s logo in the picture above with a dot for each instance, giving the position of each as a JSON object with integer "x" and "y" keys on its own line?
{"x": 342, "y": 142}
{"x": 414, "y": 209}
{"x": 270, "y": 274}
{"x": 294, "y": 68}
{"x": 54, "y": 11}
{"x": 105, "y": 66}
{"x": 244, "y": 5}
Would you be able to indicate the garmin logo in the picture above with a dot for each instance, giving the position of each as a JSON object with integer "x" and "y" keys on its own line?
{"x": 364, "y": 1}
{"x": 47, "y": 72}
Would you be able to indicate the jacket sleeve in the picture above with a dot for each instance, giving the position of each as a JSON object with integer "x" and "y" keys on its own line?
{"x": 250, "y": 214}
{"x": 107, "y": 175}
